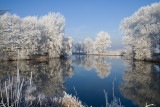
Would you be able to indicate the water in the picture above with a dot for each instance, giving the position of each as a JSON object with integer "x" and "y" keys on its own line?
{"x": 86, "y": 77}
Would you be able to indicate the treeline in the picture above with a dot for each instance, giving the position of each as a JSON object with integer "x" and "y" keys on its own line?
{"x": 35, "y": 37}
{"x": 89, "y": 46}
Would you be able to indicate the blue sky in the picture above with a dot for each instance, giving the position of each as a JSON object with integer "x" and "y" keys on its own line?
{"x": 84, "y": 18}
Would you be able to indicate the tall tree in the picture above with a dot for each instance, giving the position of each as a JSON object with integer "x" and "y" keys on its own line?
{"x": 31, "y": 36}
{"x": 52, "y": 33}
{"x": 144, "y": 29}
{"x": 10, "y": 35}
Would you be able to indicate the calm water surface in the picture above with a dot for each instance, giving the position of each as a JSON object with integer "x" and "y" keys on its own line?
{"x": 133, "y": 83}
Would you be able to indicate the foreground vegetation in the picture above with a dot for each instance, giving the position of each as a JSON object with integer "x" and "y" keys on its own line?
{"x": 19, "y": 93}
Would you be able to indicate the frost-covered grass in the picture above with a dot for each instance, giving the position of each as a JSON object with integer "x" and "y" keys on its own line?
{"x": 19, "y": 93}
{"x": 115, "y": 102}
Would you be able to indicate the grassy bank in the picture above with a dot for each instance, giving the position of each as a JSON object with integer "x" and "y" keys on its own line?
{"x": 103, "y": 54}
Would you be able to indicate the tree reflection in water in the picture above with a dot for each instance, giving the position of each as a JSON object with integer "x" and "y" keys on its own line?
{"x": 48, "y": 75}
{"x": 99, "y": 63}
{"x": 102, "y": 67}
{"x": 142, "y": 83}
{"x": 79, "y": 60}
{"x": 88, "y": 63}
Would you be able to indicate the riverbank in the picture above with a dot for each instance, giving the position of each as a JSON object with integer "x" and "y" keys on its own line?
{"x": 103, "y": 54}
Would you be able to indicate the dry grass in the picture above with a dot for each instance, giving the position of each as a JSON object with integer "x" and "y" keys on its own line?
{"x": 102, "y": 54}
{"x": 70, "y": 101}
{"x": 40, "y": 58}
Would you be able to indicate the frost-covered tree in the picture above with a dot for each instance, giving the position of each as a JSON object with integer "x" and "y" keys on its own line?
{"x": 10, "y": 28}
{"x": 102, "y": 42}
{"x": 10, "y": 35}
{"x": 36, "y": 37}
{"x": 128, "y": 41}
{"x": 52, "y": 32}
{"x": 66, "y": 46}
{"x": 143, "y": 27}
{"x": 31, "y": 36}
{"x": 88, "y": 45}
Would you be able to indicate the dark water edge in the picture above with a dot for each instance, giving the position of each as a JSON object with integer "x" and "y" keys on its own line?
{"x": 135, "y": 82}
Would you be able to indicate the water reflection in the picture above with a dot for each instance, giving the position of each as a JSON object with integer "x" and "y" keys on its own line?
{"x": 142, "y": 83}
{"x": 48, "y": 75}
{"x": 79, "y": 60}
{"x": 102, "y": 67}
{"x": 99, "y": 63}
{"x": 141, "y": 79}
{"x": 88, "y": 63}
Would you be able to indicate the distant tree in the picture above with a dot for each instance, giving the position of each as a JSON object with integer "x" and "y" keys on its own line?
{"x": 88, "y": 45}
{"x": 143, "y": 28}
{"x": 79, "y": 47}
{"x": 102, "y": 42}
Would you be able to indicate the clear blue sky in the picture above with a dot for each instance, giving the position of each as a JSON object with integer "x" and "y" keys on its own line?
{"x": 84, "y": 18}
